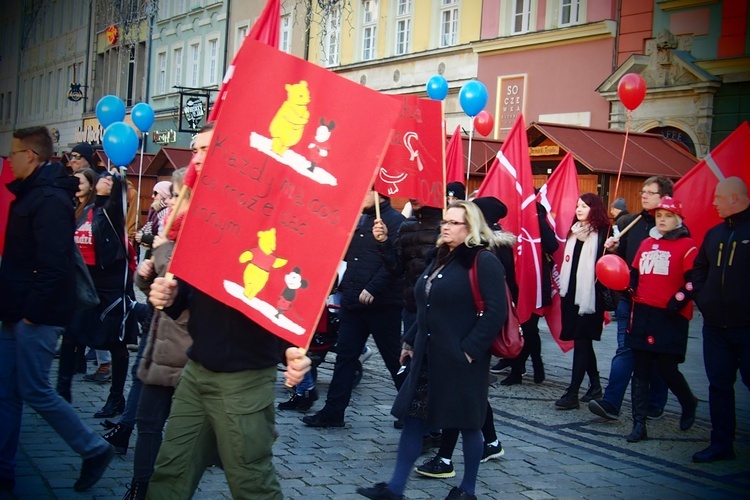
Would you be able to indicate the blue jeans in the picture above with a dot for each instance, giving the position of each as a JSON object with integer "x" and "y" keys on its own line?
{"x": 26, "y": 353}
{"x": 724, "y": 352}
{"x": 621, "y": 369}
{"x": 308, "y": 382}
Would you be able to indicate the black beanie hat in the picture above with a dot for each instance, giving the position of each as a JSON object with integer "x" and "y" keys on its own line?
{"x": 84, "y": 149}
{"x": 492, "y": 208}
{"x": 456, "y": 189}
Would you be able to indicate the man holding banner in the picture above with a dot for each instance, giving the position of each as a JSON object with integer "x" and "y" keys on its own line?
{"x": 225, "y": 397}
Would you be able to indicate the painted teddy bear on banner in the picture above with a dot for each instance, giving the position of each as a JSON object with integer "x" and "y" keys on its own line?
{"x": 261, "y": 260}
{"x": 287, "y": 126}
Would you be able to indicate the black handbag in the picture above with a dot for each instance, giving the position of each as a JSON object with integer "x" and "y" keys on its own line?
{"x": 86, "y": 295}
{"x": 606, "y": 297}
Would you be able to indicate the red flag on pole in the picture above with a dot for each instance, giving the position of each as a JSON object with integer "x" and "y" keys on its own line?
{"x": 454, "y": 159}
{"x": 729, "y": 159}
{"x": 413, "y": 165}
{"x": 509, "y": 179}
{"x": 6, "y": 176}
{"x": 559, "y": 196}
{"x": 265, "y": 30}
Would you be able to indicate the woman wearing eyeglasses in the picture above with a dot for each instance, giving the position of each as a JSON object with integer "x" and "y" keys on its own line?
{"x": 582, "y": 312}
{"x": 156, "y": 216}
{"x": 447, "y": 350}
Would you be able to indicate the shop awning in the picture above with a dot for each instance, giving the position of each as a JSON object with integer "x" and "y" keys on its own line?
{"x": 170, "y": 158}
{"x": 600, "y": 150}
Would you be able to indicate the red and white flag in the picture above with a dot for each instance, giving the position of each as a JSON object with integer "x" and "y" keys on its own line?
{"x": 413, "y": 165}
{"x": 455, "y": 170}
{"x": 6, "y": 197}
{"x": 559, "y": 196}
{"x": 509, "y": 179}
{"x": 265, "y": 30}
{"x": 696, "y": 189}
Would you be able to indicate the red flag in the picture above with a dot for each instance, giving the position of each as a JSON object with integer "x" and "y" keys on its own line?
{"x": 265, "y": 30}
{"x": 559, "y": 196}
{"x": 413, "y": 165}
{"x": 6, "y": 197}
{"x": 509, "y": 179}
{"x": 271, "y": 216}
{"x": 696, "y": 189}
{"x": 455, "y": 171}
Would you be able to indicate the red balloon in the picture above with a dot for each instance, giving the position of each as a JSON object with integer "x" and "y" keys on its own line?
{"x": 484, "y": 123}
{"x": 613, "y": 272}
{"x": 632, "y": 90}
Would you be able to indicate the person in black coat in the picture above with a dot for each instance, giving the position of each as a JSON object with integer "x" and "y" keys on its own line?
{"x": 581, "y": 308}
{"x": 721, "y": 273}
{"x": 37, "y": 300}
{"x": 371, "y": 303}
{"x": 450, "y": 336}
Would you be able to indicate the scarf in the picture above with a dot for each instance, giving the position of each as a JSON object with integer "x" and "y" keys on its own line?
{"x": 585, "y": 297}
{"x": 174, "y": 231}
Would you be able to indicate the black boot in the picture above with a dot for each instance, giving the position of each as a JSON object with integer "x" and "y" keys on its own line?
{"x": 569, "y": 401}
{"x": 687, "y": 419}
{"x": 119, "y": 437}
{"x": 114, "y": 406}
{"x": 595, "y": 389}
{"x": 640, "y": 411}
{"x": 300, "y": 402}
{"x": 136, "y": 491}
{"x": 536, "y": 362}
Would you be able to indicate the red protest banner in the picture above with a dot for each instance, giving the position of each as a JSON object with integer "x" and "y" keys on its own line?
{"x": 281, "y": 189}
{"x": 413, "y": 165}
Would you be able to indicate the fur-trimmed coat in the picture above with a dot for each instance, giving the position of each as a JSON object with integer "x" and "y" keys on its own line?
{"x": 447, "y": 327}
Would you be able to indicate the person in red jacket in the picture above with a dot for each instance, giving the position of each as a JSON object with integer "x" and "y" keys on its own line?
{"x": 662, "y": 298}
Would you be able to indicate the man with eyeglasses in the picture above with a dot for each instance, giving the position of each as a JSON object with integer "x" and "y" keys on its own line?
{"x": 37, "y": 299}
{"x": 82, "y": 156}
{"x": 621, "y": 368}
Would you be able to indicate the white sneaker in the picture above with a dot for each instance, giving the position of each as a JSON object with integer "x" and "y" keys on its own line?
{"x": 366, "y": 354}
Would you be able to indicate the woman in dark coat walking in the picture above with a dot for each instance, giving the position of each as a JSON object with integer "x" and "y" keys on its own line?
{"x": 451, "y": 336}
{"x": 661, "y": 278}
{"x": 581, "y": 308}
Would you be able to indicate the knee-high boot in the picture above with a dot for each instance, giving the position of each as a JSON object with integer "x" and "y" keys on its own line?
{"x": 640, "y": 410}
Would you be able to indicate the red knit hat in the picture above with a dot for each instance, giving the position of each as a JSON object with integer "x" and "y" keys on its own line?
{"x": 670, "y": 205}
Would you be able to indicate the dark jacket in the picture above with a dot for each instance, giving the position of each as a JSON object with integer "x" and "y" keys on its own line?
{"x": 365, "y": 268}
{"x": 447, "y": 327}
{"x": 415, "y": 244}
{"x": 631, "y": 241}
{"x": 622, "y": 220}
{"x": 549, "y": 247}
{"x": 722, "y": 270}
{"x": 102, "y": 325}
{"x": 224, "y": 339}
{"x": 37, "y": 273}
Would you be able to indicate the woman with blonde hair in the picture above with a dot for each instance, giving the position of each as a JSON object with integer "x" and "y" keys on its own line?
{"x": 447, "y": 350}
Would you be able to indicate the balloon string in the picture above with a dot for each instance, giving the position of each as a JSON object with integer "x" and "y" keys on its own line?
{"x": 622, "y": 161}
{"x": 468, "y": 160}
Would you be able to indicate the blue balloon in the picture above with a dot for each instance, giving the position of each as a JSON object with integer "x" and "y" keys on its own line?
{"x": 437, "y": 88}
{"x": 143, "y": 116}
{"x": 110, "y": 109}
{"x": 120, "y": 143}
{"x": 473, "y": 97}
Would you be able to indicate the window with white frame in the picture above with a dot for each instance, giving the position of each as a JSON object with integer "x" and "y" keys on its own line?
{"x": 181, "y": 8}
{"x": 194, "y": 62}
{"x": 285, "y": 34}
{"x": 403, "y": 27}
{"x": 448, "y": 23}
{"x": 521, "y": 16}
{"x": 212, "y": 61}
{"x": 242, "y": 31}
{"x": 161, "y": 72}
{"x": 570, "y": 12}
{"x": 177, "y": 67}
{"x": 9, "y": 106}
{"x": 332, "y": 37}
{"x": 58, "y": 88}
{"x": 369, "y": 29}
